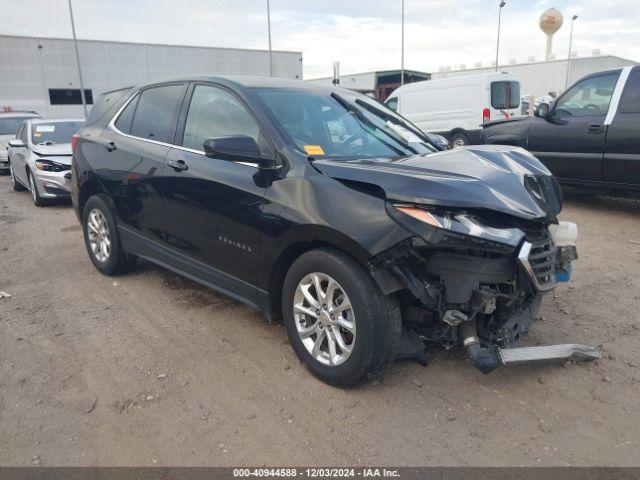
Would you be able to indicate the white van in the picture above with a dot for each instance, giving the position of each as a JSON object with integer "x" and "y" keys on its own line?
{"x": 456, "y": 107}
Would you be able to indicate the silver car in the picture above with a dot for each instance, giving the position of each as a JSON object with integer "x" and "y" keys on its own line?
{"x": 9, "y": 123}
{"x": 40, "y": 158}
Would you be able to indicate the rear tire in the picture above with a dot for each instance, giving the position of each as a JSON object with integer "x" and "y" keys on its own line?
{"x": 459, "y": 139}
{"x": 101, "y": 238}
{"x": 374, "y": 337}
{"x": 17, "y": 186}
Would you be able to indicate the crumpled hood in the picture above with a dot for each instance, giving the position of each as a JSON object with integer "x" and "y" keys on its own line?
{"x": 480, "y": 177}
{"x": 61, "y": 151}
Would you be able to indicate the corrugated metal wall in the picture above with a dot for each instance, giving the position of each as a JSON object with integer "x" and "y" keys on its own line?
{"x": 540, "y": 78}
{"x": 30, "y": 66}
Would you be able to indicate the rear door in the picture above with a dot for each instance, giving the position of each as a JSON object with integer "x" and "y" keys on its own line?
{"x": 571, "y": 141}
{"x": 131, "y": 156}
{"x": 622, "y": 149}
{"x": 504, "y": 98}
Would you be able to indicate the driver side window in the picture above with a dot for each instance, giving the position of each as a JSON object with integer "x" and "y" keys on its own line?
{"x": 214, "y": 112}
{"x": 588, "y": 98}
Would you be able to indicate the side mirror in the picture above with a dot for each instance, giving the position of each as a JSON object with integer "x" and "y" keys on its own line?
{"x": 235, "y": 148}
{"x": 542, "y": 110}
{"x": 16, "y": 143}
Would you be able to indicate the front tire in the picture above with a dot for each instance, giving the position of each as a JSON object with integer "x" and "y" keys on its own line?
{"x": 101, "y": 238}
{"x": 17, "y": 186}
{"x": 338, "y": 321}
{"x": 38, "y": 201}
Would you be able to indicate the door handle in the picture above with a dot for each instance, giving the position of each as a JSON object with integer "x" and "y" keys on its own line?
{"x": 110, "y": 146}
{"x": 596, "y": 128}
{"x": 178, "y": 165}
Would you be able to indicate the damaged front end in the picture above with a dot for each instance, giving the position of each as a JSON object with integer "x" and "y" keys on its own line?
{"x": 476, "y": 279}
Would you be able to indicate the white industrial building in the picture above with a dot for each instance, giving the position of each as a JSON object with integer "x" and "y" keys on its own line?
{"x": 41, "y": 73}
{"x": 540, "y": 78}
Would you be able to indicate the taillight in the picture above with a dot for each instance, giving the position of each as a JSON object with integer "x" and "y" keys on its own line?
{"x": 486, "y": 115}
{"x": 74, "y": 141}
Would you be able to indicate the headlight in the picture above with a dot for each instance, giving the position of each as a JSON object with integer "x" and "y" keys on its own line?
{"x": 50, "y": 166}
{"x": 462, "y": 224}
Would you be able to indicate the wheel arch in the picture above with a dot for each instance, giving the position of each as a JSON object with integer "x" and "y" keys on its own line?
{"x": 310, "y": 238}
{"x": 86, "y": 190}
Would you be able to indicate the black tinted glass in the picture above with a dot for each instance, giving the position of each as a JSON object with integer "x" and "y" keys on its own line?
{"x": 123, "y": 123}
{"x": 214, "y": 112}
{"x": 156, "y": 109}
{"x": 630, "y": 100}
{"x": 105, "y": 102}
{"x": 69, "y": 96}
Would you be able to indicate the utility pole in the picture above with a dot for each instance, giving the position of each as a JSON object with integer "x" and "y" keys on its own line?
{"x": 402, "y": 49}
{"x": 75, "y": 46}
{"x": 502, "y": 4}
{"x": 566, "y": 80}
{"x": 269, "y": 30}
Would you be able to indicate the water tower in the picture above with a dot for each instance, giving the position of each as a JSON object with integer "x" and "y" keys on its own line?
{"x": 550, "y": 22}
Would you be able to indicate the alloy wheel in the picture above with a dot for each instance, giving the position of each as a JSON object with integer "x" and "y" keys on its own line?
{"x": 32, "y": 185}
{"x": 99, "y": 236}
{"x": 458, "y": 142}
{"x": 324, "y": 319}
{"x": 12, "y": 176}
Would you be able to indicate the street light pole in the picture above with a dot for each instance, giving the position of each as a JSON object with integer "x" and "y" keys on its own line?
{"x": 75, "y": 46}
{"x": 566, "y": 80}
{"x": 402, "y": 49}
{"x": 269, "y": 30}
{"x": 502, "y": 4}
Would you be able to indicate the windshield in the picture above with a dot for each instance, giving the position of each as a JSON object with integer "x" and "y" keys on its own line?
{"x": 342, "y": 124}
{"x": 54, "y": 132}
{"x": 9, "y": 126}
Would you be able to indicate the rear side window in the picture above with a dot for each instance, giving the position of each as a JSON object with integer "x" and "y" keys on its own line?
{"x": 105, "y": 102}
{"x": 154, "y": 115}
{"x": 505, "y": 95}
{"x": 23, "y": 134}
{"x": 630, "y": 100}
{"x": 124, "y": 121}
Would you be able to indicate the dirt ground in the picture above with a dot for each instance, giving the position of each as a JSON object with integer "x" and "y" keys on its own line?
{"x": 152, "y": 369}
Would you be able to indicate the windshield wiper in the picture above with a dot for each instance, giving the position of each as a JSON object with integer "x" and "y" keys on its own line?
{"x": 371, "y": 127}
{"x": 391, "y": 118}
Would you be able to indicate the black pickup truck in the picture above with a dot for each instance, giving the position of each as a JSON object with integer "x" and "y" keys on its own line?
{"x": 589, "y": 136}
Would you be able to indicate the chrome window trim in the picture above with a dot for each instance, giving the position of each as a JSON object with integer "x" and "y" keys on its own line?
{"x": 617, "y": 94}
{"x": 112, "y": 125}
{"x": 523, "y": 257}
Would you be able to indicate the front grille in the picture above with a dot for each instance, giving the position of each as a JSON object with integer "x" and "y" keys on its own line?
{"x": 538, "y": 257}
{"x": 542, "y": 259}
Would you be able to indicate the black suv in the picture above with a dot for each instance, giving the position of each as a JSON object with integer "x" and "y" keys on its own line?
{"x": 590, "y": 136}
{"x": 321, "y": 207}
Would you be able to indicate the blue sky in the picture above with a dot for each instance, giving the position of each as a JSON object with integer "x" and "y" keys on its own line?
{"x": 363, "y": 35}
